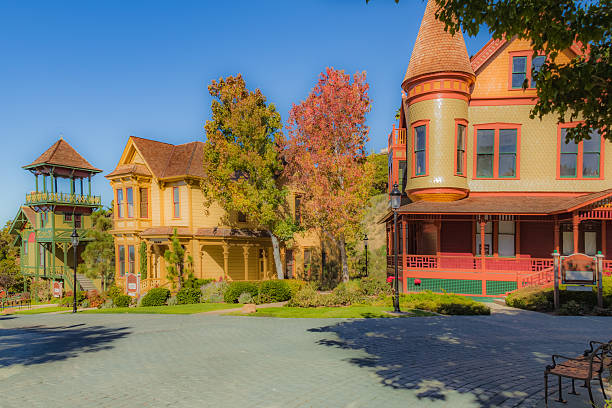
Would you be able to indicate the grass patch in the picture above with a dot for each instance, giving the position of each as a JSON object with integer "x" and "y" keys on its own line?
{"x": 178, "y": 309}
{"x": 346, "y": 312}
{"x": 40, "y": 310}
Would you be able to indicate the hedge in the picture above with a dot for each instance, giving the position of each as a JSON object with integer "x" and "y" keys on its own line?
{"x": 235, "y": 289}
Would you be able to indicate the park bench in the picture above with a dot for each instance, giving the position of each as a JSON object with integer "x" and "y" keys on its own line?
{"x": 587, "y": 368}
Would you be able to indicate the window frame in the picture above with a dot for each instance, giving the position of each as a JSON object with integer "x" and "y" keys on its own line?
{"x": 176, "y": 202}
{"x": 140, "y": 202}
{"x": 461, "y": 122}
{"x": 413, "y": 128}
{"x": 529, "y": 55}
{"x": 119, "y": 203}
{"x": 121, "y": 259}
{"x": 580, "y": 155}
{"x": 496, "y": 127}
{"x": 129, "y": 206}
{"x": 131, "y": 259}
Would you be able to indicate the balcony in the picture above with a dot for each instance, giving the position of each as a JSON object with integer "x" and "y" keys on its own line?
{"x": 39, "y": 198}
{"x": 397, "y": 137}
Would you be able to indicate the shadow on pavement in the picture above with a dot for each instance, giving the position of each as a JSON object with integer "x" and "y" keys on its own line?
{"x": 43, "y": 344}
{"x": 475, "y": 360}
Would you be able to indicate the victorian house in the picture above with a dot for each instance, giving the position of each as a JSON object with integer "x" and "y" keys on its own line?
{"x": 157, "y": 191}
{"x": 489, "y": 193}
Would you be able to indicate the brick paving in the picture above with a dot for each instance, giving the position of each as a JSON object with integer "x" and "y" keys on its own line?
{"x": 222, "y": 361}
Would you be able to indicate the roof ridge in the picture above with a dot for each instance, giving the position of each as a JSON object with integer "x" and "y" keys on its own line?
{"x": 169, "y": 160}
{"x": 192, "y": 155}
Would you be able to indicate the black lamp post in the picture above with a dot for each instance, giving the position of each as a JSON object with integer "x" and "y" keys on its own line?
{"x": 365, "y": 244}
{"x": 75, "y": 243}
{"x": 396, "y": 198}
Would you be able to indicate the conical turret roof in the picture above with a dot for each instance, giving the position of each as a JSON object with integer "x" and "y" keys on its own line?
{"x": 436, "y": 50}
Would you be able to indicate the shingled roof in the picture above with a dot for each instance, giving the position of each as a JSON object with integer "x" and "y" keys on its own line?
{"x": 436, "y": 50}
{"x": 62, "y": 154}
{"x": 165, "y": 160}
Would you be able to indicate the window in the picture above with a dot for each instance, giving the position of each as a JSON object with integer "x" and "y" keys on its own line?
{"x": 298, "y": 209}
{"x": 419, "y": 143}
{"x": 25, "y": 247}
{"x": 505, "y": 238}
{"x": 523, "y": 66}
{"x": 519, "y": 71}
{"x": 129, "y": 192}
{"x": 121, "y": 260}
{"x": 43, "y": 219}
{"x": 536, "y": 65}
{"x": 488, "y": 238}
{"x": 582, "y": 159}
{"x": 119, "y": 203}
{"x": 402, "y": 175}
{"x": 176, "y": 202}
{"x": 289, "y": 264}
{"x": 131, "y": 258}
{"x": 497, "y": 151}
{"x": 242, "y": 217}
{"x": 307, "y": 259}
{"x": 144, "y": 203}
{"x": 67, "y": 217}
{"x": 460, "y": 146}
{"x": 77, "y": 221}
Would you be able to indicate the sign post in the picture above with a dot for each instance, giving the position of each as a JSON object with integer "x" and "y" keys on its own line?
{"x": 556, "y": 258}
{"x": 600, "y": 258}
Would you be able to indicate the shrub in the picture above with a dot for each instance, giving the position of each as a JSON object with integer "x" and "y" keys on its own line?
{"x": 114, "y": 291}
{"x": 273, "y": 291}
{"x": 571, "y": 308}
{"x": 173, "y": 301}
{"x": 442, "y": 303}
{"x": 107, "y": 304}
{"x": 188, "y": 296}
{"x": 85, "y": 304}
{"x": 374, "y": 287}
{"x": 67, "y": 300}
{"x": 308, "y": 297}
{"x": 122, "y": 300}
{"x": 531, "y": 298}
{"x": 245, "y": 298}
{"x": 295, "y": 285}
{"x": 96, "y": 301}
{"x": 194, "y": 283}
{"x": 347, "y": 293}
{"x": 156, "y": 297}
{"x": 235, "y": 289}
{"x": 213, "y": 292}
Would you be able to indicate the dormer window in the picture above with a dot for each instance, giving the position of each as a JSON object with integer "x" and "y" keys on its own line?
{"x": 523, "y": 64}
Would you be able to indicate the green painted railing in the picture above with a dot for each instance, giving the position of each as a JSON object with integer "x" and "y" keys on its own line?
{"x": 63, "y": 198}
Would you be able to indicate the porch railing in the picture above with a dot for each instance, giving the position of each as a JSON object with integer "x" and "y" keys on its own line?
{"x": 467, "y": 263}
{"x": 397, "y": 137}
{"x": 62, "y": 198}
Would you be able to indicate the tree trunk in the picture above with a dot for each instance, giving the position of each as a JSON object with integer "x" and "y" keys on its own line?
{"x": 180, "y": 276}
{"x": 345, "y": 272}
{"x": 277, "y": 257}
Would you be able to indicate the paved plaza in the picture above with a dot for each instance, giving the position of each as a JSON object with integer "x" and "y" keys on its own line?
{"x": 224, "y": 361}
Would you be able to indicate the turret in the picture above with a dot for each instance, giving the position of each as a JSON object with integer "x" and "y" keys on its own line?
{"x": 436, "y": 94}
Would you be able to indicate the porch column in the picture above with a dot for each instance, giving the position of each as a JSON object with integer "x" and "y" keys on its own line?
{"x": 556, "y": 237}
{"x": 225, "y": 261}
{"x": 36, "y": 175}
{"x": 483, "y": 223}
{"x": 404, "y": 250}
{"x": 603, "y": 237}
{"x": 270, "y": 263}
{"x": 517, "y": 239}
{"x": 245, "y": 250}
{"x": 576, "y": 232}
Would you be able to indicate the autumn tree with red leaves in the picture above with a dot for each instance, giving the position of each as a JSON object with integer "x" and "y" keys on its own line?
{"x": 325, "y": 156}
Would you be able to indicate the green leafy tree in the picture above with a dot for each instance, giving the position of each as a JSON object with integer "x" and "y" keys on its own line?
{"x": 10, "y": 275}
{"x": 178, "y": 265}
{"x": 242, "y": 163}
{"x": 99, "y": 254}
{"x": 142, "y": 252}
{"x": 380, "y": 163}
{"x": 580, "y": 89}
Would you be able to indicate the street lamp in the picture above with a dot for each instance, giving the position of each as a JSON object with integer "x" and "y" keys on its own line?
{"x": 396, "y": 198}
{"x": 75, "y": 243}
{"x": 365, "y": 244}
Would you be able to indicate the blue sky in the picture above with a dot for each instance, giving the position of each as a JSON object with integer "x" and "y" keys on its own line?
{"x": 97, "y": 72}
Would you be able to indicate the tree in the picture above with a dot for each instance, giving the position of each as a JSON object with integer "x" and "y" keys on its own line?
{"x": 325, "y": 155}
{"x": 142, "y": 253}
{"x": 10, "y": 275}
{"x": 99, "y": 254}
{"x": 380, "y": 163}
{"x": 241, "y": 161}
{"x": 175, "y": 258}
{"x": 580, "y": 89}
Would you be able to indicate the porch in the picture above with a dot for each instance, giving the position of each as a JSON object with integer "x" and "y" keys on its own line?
{"x": 460, "y": 248}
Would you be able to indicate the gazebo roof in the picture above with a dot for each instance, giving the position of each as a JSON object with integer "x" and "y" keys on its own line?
{"x": 61, "y": 154}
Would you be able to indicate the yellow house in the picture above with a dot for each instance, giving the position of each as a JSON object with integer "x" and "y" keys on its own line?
{"x": 157, "y": 190}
